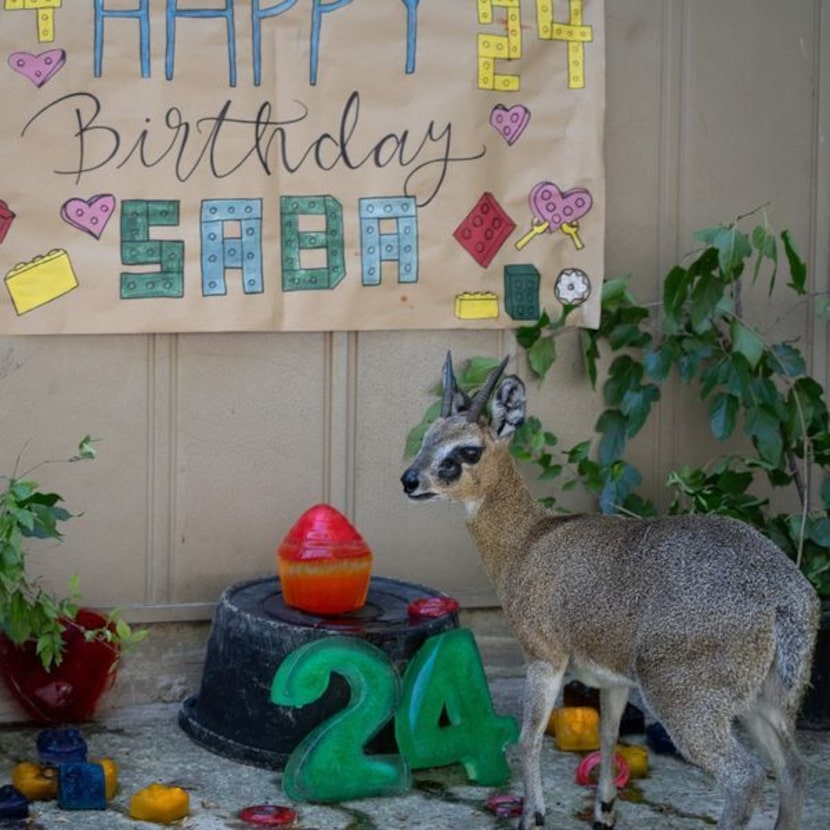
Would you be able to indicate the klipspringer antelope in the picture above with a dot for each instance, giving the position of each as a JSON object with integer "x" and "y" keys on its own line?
{"x": 703, "y": 614}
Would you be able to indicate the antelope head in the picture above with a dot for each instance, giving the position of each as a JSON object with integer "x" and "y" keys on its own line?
{"x": 463, "y": 451}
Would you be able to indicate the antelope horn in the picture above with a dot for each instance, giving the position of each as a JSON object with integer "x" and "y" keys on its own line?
{"x": 483, "y": 394}
{"x": 449, "y": 387}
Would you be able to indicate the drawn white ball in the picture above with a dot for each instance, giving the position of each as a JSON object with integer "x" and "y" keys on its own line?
{"x": 572, "y": 286}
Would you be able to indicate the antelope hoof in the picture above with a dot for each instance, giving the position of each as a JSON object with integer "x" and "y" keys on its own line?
{"x": 538, "y": 820}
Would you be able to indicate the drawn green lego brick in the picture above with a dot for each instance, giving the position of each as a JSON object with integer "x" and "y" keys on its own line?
{"x": 139, "y": 215}
{"x": 145, "y": 252}
{"x": 293, "y": 241}
{"x": 521, "y": 292}
{"x": 165, "y": 284}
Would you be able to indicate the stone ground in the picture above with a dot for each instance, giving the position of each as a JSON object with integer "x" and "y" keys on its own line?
{"x": 148, "y": 746}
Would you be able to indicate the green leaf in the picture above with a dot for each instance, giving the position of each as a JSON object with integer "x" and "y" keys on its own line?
{"x": 734, "y": 482}
{"x": 825, "y": 493}
{"x": 798, "y": 269}
{"x": 636, "y": 406}
{"x": 722, "y": 414}
{"x": 788, "y": 360}
{"x": 620, "y": 479}
{"x": 707, "y": 235}
{"x": 541, "y": 355}
{"x": 658, "y": 362}
{"x": 733, "y": 248}
{"x": 590, "y": 354}
{"x": 746, "y": 342}
{"x": 819, "y": 532}
{"x": 765, "y": 430}
{"x": 579, "y": 452}
{"x": 614, "y": 294}
{"x": 625, "y": 334}
{"x": 476, "y": 371}
{"x": 704, "y": 299}
{"x": 763, "y": 240}
{"x": 85, "y": 449}
{"x": 528, "y": 335}
{"x": 612, "y": 425}
{"x": 675, "y": 291}
{"x": 624, "y": 373}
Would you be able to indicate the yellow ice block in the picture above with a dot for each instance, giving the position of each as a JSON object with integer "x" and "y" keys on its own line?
{"x": 160, "y": 804}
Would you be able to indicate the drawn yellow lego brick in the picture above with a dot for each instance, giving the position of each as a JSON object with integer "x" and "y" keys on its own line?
{"x": 14, "y": 5}
{"x": 493, "y": 46}
{"x": 45, "y": 26}
{"x": 576, "y": 66}
{"x": 576, "y": 34}
{"x": 41, "y": 280}
{"x": 488, "y": 78}
{"x": 485, "y": 11}
{"x": 486, "y": 73}
{"x": 480, "y": 305}
{"x": 544, "y": 19}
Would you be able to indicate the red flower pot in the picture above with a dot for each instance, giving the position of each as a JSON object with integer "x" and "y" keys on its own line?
{"x": 68, "y": 693}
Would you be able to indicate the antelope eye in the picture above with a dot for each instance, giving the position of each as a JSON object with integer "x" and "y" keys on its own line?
{"x": 449, "y": 469}
{"x": 470, "y": 455}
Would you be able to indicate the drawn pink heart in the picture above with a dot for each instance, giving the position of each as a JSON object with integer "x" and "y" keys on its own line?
{"x": 38, "y": 68}
{"x": 91, "y": 215}
{"x": 510, "y": 123}
{"x": 550, "y": 204}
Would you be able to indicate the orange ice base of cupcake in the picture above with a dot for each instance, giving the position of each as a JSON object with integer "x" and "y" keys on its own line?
{"x": 326, "y": 586}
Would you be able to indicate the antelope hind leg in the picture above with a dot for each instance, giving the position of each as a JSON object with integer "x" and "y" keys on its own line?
{"x": 541, "y": 690}
{"x": 612, "y": 706}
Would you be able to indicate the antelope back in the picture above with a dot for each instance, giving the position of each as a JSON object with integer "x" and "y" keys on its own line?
{"x": 462, "y": 454}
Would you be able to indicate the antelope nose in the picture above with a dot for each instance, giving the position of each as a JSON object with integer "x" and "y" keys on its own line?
{"x": 410, "y": 481}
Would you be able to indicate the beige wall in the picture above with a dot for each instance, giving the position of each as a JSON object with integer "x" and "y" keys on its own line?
{"x": 212, "y": 445}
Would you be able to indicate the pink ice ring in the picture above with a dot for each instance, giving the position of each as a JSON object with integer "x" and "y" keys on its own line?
{"x": 506, "y": 805}
{"x": 432, "y": 607}
{"x": 268, "y": 815}
{"x": 589, "y": 762}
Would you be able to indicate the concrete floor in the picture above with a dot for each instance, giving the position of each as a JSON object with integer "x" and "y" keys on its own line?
{"x": 148, "y": 746}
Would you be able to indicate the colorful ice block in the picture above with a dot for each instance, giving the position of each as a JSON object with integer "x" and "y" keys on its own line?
{"x": 82, "y": 786}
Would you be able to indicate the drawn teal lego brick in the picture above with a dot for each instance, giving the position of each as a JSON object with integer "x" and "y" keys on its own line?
{"x": 521, "y": 292}
{"x": 378, "y": 245}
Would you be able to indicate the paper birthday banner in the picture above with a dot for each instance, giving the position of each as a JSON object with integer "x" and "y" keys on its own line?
{"x": 299, "y": 165}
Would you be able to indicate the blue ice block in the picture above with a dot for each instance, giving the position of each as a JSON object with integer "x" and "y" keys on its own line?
{"x": 82, "y": 786}
{"x": 59, "y": 746}
{"x": 13, "y": 804}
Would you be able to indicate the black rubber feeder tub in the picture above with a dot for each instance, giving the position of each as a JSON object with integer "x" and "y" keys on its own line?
{"x": 253, "y": 631}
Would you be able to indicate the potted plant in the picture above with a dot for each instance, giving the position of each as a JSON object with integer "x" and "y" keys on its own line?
{"x": 776, "y": 476}
{"x": 56, "y": 658}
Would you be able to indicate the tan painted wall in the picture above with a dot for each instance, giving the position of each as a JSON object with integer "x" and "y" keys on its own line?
{"x": 212, "y": 445}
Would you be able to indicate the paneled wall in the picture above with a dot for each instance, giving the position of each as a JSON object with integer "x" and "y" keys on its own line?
{"x": 212, "y": 445}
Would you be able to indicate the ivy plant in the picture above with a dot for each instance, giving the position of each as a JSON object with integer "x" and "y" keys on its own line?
{"x": 697, "y": 335}
{"x": 28, "y": 612}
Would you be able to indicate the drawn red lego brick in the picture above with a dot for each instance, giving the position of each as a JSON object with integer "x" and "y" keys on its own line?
{"x": 6, "y": 219}
{"x": 484, "y": 230}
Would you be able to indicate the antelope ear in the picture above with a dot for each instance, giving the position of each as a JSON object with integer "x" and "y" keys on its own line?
{"x": 508, "y": 407}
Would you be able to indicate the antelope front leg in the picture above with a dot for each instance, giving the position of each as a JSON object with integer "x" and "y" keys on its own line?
{"x": 612, "y": 706}
{"x": 541, "y": 690}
